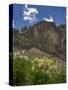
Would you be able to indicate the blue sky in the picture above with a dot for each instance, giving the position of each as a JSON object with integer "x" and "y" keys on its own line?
{"x": 58, "y": 13}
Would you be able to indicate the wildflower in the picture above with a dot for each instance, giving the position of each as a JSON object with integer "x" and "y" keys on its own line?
{"x": 40, "y": 64}
{"x": 21, "y": 56}
{"x": 35, "y": 59}
{"x": 33, "y": 68}
{"x": 26, "y": 57}
{"x": 17, "y": 53}
{"x": 23, "y": 51}
{"x": 32, "y": 61}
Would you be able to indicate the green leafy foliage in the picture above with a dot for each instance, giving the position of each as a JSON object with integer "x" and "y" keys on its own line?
{"x": 38, "y": 70}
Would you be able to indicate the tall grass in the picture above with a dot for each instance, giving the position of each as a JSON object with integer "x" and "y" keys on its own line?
{"x": 33, "y": 71}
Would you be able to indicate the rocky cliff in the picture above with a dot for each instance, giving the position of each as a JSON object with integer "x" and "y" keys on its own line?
{"x": 45, "y": 36}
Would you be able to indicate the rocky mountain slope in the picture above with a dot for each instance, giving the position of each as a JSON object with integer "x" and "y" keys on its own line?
{"x": 45, "y": 36}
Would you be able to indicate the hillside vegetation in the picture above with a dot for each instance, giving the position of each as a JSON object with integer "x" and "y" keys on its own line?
{"x": 39, "y": 54}
{"x": 34, "y": 69}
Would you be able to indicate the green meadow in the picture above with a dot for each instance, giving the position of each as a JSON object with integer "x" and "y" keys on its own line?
{"x": 36, "y": 69}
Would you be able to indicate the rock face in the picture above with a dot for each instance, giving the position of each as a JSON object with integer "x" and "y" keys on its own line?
{"x": 45, "y": 36}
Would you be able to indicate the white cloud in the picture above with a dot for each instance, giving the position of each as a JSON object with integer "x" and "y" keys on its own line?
{"x": 50, "y": 19}
{"x": 30, "y": 14}
{"x": 26, "y": 6}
